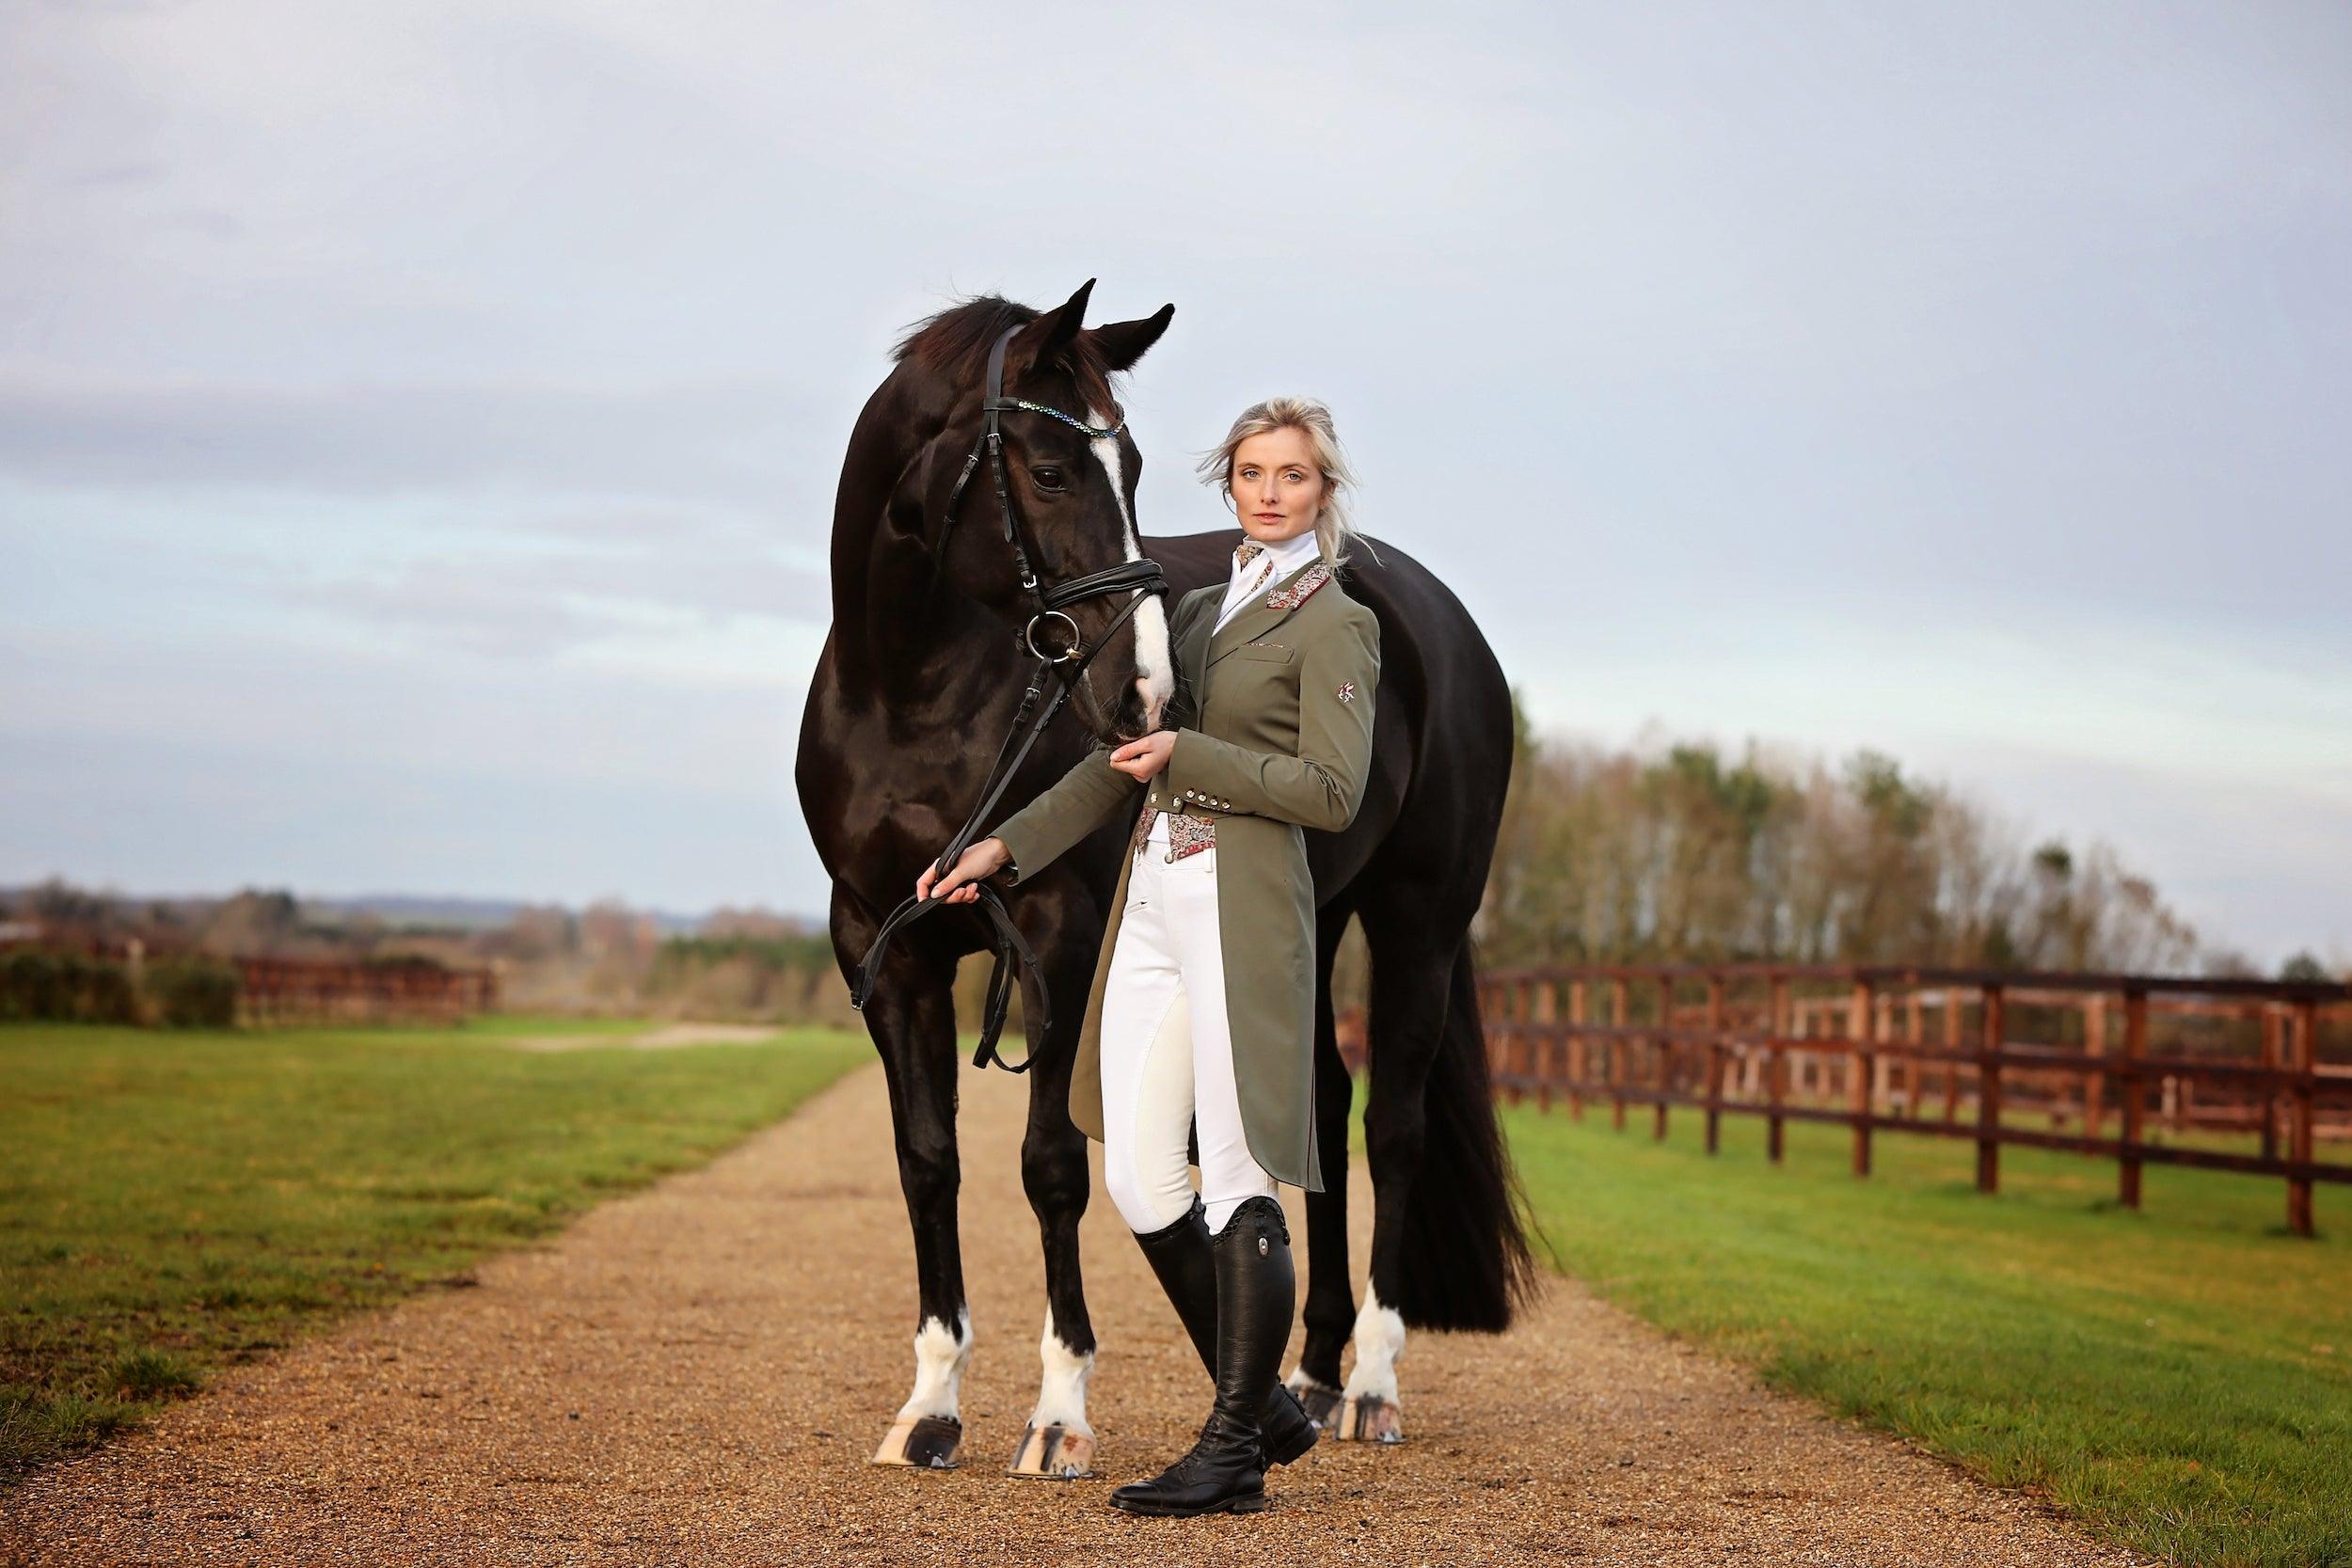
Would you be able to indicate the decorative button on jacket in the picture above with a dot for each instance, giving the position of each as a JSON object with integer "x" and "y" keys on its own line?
{"x": 1273, "y": 716}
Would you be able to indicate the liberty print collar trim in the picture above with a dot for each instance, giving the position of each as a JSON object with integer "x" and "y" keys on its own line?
{"x": 1300, "y": 588}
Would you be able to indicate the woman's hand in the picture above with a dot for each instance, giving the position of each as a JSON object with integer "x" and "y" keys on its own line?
{"x": 1141, "y": 760}
{"x": 961, "y": 883}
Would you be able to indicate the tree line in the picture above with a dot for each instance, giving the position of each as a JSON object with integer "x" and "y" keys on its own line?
{"x": 1683, "y": 852}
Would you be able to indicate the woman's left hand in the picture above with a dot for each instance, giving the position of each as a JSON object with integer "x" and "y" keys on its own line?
{"x": 1143, "y": 759}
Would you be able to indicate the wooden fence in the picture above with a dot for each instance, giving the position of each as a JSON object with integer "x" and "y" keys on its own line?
{"x": 1854, "y": 1046}
{"x": 305, "y": 990}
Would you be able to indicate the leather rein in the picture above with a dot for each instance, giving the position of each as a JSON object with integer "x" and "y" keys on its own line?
{"x": 1066, "y": 659}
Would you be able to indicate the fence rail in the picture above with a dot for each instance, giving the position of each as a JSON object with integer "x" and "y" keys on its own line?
{"x": 1847, "y": 1045}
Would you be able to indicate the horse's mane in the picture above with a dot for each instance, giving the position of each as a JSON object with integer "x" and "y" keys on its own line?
{"x": 953, "y": 343}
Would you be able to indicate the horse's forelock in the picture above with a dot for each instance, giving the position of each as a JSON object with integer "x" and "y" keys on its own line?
{"x": 954, "y": 344}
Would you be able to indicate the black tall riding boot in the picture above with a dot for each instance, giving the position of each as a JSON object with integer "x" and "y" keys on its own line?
{"x": 1255, "y": 1292}
{"x": 1179, "y": 1255}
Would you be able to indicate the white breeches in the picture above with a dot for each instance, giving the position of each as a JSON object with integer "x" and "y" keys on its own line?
{"x": 1167, "y": 1056}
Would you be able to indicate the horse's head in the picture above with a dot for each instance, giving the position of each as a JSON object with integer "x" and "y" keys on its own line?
{"x": 1072, "y": 491}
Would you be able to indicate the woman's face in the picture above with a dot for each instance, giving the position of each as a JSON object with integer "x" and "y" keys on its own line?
{"x": 1278, "y": 488}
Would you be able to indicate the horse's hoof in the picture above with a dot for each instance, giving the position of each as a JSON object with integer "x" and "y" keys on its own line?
{"x": 926, "y": 1442}
{"x": 1369, "y": 1419}
{"x": 1053, "y": 1452}
{"x": 1317, "y": 1397}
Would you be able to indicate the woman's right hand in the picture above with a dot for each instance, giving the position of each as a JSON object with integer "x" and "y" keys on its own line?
{"x": 961, "y": 883}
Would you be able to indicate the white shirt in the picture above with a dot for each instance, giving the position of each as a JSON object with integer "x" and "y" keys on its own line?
{"x": 1269, "y": 566}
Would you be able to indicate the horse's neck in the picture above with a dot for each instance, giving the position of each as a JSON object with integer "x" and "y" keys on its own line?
{"x": 896, "y": 652}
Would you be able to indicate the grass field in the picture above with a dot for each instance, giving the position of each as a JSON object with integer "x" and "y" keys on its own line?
{"x": 172, "y": 1202}
{"x": 2179, "y": 1378}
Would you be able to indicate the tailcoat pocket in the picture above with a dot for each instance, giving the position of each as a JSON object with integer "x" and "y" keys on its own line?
{"x": 1273, "y": 652}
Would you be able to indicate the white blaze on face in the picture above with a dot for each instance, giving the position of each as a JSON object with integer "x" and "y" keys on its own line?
{"x": 1153, "y": 658}
{"x": 1379, "y": 1340}
{"x": 940, "y": 1359}
{"x": 1061, "y": 1398}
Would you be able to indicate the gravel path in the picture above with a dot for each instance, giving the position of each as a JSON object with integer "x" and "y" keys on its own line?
{"x": 696, "y": 1373}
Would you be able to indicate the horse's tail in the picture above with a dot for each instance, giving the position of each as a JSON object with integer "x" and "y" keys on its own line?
{"x": 1467, "y": 1261}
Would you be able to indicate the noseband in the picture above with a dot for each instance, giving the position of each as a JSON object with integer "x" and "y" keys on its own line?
{"x": 1066, "y": 659}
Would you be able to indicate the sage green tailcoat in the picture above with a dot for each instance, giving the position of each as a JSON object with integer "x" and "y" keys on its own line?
{"x": 1273, "y": 719}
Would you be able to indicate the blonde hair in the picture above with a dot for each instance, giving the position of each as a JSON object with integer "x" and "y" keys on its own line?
{"x": 1333, "y": 527}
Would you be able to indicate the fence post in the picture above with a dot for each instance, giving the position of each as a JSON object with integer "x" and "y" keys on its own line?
{"x": 2266, "y": 1096}
{"x": 1916, "y": 1035}
{"x": 2133, "y": 1091}
{"x": 2095, "y": 1081}
{"x": 1547, "y": 1016}
{"x": 1665, "y": 1049}
{"x": 2299, "y": 1118}
{"x": 1776, "y": 1070}
{"x": 1989, "y": 1091}
{"x": 1517, "y": 1039}
{"x": 1714, "y": 1063}
{"x": 1882, "y": 1065}
{"x": 1619, "y": 1013}
{"x": 1580, "y": 1048}
{"x": 1861, "y": 1068}
{"x": 1952, "y": 1010}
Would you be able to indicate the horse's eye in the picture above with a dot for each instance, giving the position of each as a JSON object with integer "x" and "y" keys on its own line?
{"x": 1047, "y": 479}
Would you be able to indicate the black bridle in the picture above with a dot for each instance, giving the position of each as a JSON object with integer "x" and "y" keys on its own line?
{"x": 1068, "y": 661}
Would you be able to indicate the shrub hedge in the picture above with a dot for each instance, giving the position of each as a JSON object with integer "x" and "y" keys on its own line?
{"x": 39, "y": 984}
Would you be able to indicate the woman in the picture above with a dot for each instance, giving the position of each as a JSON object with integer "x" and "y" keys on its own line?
{"x": 1203, "y": 1008}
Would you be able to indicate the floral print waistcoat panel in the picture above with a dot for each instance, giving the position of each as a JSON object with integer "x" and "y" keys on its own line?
{"x": 1188, "y": 834}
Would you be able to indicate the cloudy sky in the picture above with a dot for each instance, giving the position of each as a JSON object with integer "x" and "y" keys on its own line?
{"x": 418, "y": 423}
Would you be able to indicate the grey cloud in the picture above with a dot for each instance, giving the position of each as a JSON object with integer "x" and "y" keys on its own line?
{"x": 512, "y": 607}
{"x": 719, "y": 437}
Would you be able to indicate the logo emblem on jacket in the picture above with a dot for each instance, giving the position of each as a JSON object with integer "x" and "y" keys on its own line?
{"x": 1347, "y": 692}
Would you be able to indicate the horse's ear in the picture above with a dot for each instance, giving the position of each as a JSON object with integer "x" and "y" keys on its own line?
{"x": 1045, "y": 340}
{"x": 1124, "y": 342}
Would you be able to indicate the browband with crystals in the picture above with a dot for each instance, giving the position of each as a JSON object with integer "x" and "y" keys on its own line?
{"x": 1079, "y": 425}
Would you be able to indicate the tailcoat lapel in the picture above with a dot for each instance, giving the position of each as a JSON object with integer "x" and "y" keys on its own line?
{"x": 1252, "y": 620}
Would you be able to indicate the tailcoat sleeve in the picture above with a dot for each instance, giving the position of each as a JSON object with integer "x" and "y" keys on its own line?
{"x": 1323, "y": 786}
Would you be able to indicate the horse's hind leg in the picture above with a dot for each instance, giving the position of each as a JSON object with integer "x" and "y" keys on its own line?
{"x": 911, "y": 1016}
{"x": 1059, "y": 1442}
{"x": 1411, "y": 974}
{"x": 1330, "y": 1306}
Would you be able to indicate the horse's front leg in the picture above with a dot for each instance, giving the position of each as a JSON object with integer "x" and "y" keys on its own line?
{"x": 1059, "y": 1442}
{"x": 911, "y": 1016}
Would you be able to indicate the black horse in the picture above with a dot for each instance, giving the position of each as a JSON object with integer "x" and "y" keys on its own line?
{"x": 922, "y": 672}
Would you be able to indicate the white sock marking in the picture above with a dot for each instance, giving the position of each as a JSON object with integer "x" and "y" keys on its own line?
{"x": 1061, "y": 1397}
{"x": 1379, "y": 1340}
{"x": 940, "y": 1360}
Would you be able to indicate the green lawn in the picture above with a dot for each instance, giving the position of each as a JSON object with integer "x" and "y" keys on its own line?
{"x": 2179, "y": 1378}
{"x": 173, "y": 1202}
